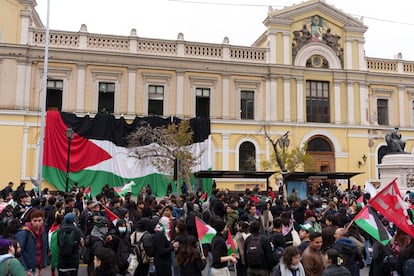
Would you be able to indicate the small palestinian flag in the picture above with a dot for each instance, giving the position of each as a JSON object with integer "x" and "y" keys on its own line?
{"x": 368, "y": 220}
{"x": 126, "y": 188}
{"x": 205, "y": 232}
{"x": 87, "y": 193}
{"x": 203, "y": 198}
{"x": 99, "y": 152}
{"x": 231, "y": 247}
{"x": 111, "y": 216}
{"x": 360, "y": 201}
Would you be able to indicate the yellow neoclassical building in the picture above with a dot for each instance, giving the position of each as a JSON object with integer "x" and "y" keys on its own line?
{"x": 306, "y": 74}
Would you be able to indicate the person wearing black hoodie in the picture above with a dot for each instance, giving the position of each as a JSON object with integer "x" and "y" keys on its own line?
{"x": 68, "y": 258}
{"x": 348, "y": 249}
{"x": 121, "y": 245}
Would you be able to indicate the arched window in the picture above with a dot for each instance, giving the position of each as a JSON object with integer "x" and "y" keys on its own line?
{"x": 320, "y": 148}
{"x": 247, "y": 157}
{"x": 319, "y": 144}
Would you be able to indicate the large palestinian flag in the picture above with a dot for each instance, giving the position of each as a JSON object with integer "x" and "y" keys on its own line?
{"x": 99, "y": 153}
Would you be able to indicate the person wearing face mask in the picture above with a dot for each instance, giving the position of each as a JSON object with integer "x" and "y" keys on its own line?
{"x": 120, "y": 245}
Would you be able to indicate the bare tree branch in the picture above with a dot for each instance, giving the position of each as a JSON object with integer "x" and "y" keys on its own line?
{"x": 162, "y": 145}
{"x": 274, "y": 143}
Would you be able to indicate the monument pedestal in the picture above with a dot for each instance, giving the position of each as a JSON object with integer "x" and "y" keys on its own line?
{"x": 399, "y": 166}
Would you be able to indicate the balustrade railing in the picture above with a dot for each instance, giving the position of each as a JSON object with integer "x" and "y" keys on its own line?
{"x": 138, "y": 45}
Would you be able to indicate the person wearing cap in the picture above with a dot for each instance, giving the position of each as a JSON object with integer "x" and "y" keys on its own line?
{"x": 97, "y": 239}
{"x": 305, "y": 230}
{"x": 8, "y": 262}
{"x": 88, "y": 216}
{"x": 69, "y": 264}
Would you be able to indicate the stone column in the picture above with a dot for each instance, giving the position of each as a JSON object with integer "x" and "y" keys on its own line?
{"x": 225, "y": 95}
{"x": 225, "y": 152}
{"x": 132, "y": 87}
{"x": 180, "y": 94}
{"x": 273, "y": 98}
{"x": 349, "y": 53}
{"x": 337, "y": 101}
{"x": 286, "y": 48}
{"x": 80, "y": 88}
{"x": 28, "y": 81}
{"x": 401, "y": 106}
{"x": 361, "y": 54}
{"x": 25, "y": 23}
{"x": 351, "y": 110}
{"x": 363, "y": 98}
{"x": 299, "y": 101}
{"x": 272, "y": 46}
{"x": 20, "y": 84}
{"x": 286, "y": 99}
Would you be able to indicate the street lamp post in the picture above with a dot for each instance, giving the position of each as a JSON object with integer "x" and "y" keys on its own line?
{"x": 69, "y": 134}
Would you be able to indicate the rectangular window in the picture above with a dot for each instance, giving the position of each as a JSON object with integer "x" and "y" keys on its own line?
{"x": 106, "y": 101}
{"x": 54, "y": 95}
{"x": 382, "y": 111}
{"x": 156, "y": 100}
{"x": 247, "y": 104}
{"x": 203, "y": 102}
{"x": 317, "y": 101}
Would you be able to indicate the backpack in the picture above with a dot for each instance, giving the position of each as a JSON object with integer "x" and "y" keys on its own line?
{"x": 138, "y": 247}
{"x": 68, "y": 242}
{"x": 148, "y": 246}
{"x": 254, "y": 254}
{"x": 317, "y": 227}
{"x": 408, "y": 267}
{"x": 277, "y": 252}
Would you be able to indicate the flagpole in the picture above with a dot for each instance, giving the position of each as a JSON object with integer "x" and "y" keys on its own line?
{"x": 201, "y": 249}
{"x": 43, "y": 101}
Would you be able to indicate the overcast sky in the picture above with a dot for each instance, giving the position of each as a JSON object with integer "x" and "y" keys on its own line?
{"x": 390, "y": 23}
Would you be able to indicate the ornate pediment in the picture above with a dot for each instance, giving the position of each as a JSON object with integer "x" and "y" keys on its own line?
{"x": 289, "y": 14}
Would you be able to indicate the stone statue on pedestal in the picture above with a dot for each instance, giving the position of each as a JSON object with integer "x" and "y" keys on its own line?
{"x": 394, "y": 142}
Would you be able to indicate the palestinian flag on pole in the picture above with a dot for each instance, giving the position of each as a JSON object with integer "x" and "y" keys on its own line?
{"x": 368, "y": 220}
{"x": 111, "y": 215}
{"x": 231, "y": 247}
{"x": 99, "y": 153}
{"x": 126, "y": 188}
{"x": 87, "y": 193}
{"x": 203, "y": 198}
{"x": 360, "y": 201}
{"x": 204, "y": 231}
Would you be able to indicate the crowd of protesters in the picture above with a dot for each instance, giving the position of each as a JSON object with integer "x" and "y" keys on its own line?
{"x": 273, "y": 233}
